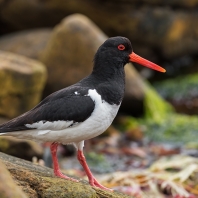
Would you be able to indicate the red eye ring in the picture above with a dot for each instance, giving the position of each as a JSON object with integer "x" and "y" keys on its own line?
{"x": 121, "y": 47}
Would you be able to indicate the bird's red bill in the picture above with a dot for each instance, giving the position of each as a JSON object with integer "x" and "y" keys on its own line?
{"x": 138, "y": 59}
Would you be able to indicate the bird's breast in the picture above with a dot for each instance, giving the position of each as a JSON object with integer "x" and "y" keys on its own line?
{"x": 100, "y": 119}
{"x": 102, "y": 116}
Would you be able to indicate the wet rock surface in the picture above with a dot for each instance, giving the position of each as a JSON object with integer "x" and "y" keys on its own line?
{"x": 22, "y": 81}
{"x": 37, "y": 181}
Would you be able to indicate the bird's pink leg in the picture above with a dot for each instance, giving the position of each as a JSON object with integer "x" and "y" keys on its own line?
{"x": 57, "y": 170}
{"x": 92, "y": 180}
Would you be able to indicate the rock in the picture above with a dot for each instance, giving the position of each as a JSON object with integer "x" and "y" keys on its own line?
{"x": 8, "y": 188}
{"x": 69, "y": 55}
{"x": 181, "y": 92}
{"x": 22, "y": 80}
{"x": 23, "y": 149}
{"x": 38, "y": 181}
{"x": 29, "y": 43}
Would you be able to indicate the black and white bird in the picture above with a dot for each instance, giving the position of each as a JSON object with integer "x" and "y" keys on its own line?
{"x": 83, "y": 110}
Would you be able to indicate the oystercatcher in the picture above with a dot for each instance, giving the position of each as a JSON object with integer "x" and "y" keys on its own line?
{"x": 83, "y": 110}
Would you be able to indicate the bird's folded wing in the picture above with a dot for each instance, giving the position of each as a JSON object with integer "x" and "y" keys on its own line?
{"x": 61, "y": 109}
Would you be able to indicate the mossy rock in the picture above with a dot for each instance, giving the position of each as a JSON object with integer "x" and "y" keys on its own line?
{"x": 38, "y": 181}
{"x": 156, "y": 108}
{"x": 22, "y": 81}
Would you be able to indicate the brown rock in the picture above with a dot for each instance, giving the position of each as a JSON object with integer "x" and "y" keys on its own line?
{"x": 22, "y": 81}
{"x": 8, "y": 188}
{"x": 37, "y": 181}
{"x": 29, "y": 43}
{"x": 23, "y": 149}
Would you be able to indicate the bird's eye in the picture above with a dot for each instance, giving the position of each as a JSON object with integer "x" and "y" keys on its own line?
{"x": 121, "y": 47}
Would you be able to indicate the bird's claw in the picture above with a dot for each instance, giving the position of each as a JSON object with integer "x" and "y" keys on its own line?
{"x": 59, "y": 174}
{"x": 93, "y": 182}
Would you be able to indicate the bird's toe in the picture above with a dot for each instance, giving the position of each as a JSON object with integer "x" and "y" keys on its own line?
{"x": 96, "y": 184}
{"x": 65, "y": 177}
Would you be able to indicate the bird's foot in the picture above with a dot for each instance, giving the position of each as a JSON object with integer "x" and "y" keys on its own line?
{"x": 93, "y": 182}
{"x": 61, "y": 175}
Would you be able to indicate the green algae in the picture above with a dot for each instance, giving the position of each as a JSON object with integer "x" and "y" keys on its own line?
{"x": 175, "y": 128}
{"x": 156, "y": 108}
{"x": 179, "y": 88}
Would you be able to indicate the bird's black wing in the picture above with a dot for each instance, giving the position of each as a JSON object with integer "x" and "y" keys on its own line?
{"x": 69, "y": 104}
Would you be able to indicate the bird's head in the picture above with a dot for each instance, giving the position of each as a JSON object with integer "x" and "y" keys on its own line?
{"x": 118, "y": 51}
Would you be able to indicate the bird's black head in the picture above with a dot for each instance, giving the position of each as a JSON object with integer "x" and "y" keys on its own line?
{"x": 116, "y": 52}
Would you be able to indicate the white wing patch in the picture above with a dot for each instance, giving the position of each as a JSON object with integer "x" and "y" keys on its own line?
{"x": 43, "y": 132}
{"x": 95, "y": 96}
{"x": 56, "y": 125}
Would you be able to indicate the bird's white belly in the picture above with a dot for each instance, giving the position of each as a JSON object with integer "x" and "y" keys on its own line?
{"x": 100, "y": 119}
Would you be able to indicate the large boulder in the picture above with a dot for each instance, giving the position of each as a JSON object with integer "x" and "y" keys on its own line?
{"x": 29, "y": 43}
{"x": 22, "y": 81}
{"x": 38, "y": 181}
{"x": 69, "y": 58}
